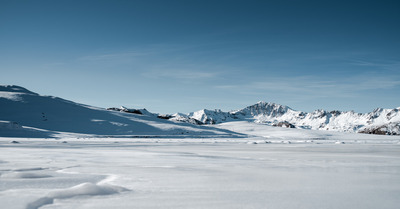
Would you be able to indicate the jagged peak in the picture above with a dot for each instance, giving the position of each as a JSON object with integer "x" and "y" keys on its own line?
{"x": 335, "y": 112}
{"x": 268, "y": 104}
{"x": 207, "y": 111}
{"x": 178, "y": 114}
{"x": 263, "y": 108}
{"x": 261, "y": 102}
{"x": 378, "y": 109}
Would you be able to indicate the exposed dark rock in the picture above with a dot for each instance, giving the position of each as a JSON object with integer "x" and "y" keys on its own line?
{"x": 135, "y": 111}
{"x": 335, "y": 112}
{"x": 319, "y": 113}
{"x": 188, "y": 120}
{"x": 210, "y": 121}
{"x": 284, "y": 124}
{"x": 114, "y": 108}
{"x": 373, "y": 131}
{"x": 302, "y": 115}
{"x": 387, "y": 129}
{"x": 391, "y": 114}
{"x": 194, "y": 121}
{"x": 166, "y": 117}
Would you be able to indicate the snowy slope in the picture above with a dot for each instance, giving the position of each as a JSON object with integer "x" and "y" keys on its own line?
{"x": 380, "y": 121}
{"x": 25, "y": 113}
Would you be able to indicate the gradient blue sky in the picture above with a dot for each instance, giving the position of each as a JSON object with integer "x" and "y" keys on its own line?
{"x": 182, "y": 56}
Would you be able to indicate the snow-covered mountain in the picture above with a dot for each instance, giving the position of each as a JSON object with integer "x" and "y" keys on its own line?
{"x": 380, "y": 121}
{"x": 27, "y": 114}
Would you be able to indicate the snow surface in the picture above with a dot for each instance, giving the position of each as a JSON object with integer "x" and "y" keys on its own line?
{"x": 264, "y": 131}
{"x": 357, "y": 173}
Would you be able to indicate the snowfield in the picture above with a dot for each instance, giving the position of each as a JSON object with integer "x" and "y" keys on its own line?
{"x": 200, "y": 173}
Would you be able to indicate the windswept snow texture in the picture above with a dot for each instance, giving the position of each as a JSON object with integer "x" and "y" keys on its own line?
{"x": 353, "y": 171}
{"x": 380, "y": 121}
{"x": 27, "y": 114}
{"x": 84, "y": 189}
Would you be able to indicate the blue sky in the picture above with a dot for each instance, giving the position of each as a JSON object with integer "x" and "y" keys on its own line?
{"x": 182, "y": 56}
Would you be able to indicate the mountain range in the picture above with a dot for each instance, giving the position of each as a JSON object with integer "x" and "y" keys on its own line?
{"x": 25, "y": 113}
{"x": 379, "y": 121}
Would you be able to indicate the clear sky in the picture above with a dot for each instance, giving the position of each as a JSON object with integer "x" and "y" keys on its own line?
{"x": 182, "y": 56}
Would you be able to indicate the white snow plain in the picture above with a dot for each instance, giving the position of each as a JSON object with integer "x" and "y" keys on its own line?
{"x": 275, "y": 168}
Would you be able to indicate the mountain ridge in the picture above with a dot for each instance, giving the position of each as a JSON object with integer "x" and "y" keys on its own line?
{"x": 379, "y": 121}
{"x": 21, "y": 108}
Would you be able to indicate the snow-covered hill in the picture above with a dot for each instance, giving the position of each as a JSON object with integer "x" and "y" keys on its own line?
{"x": 27, "y": 114}
{"x": 380, "y": 121}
